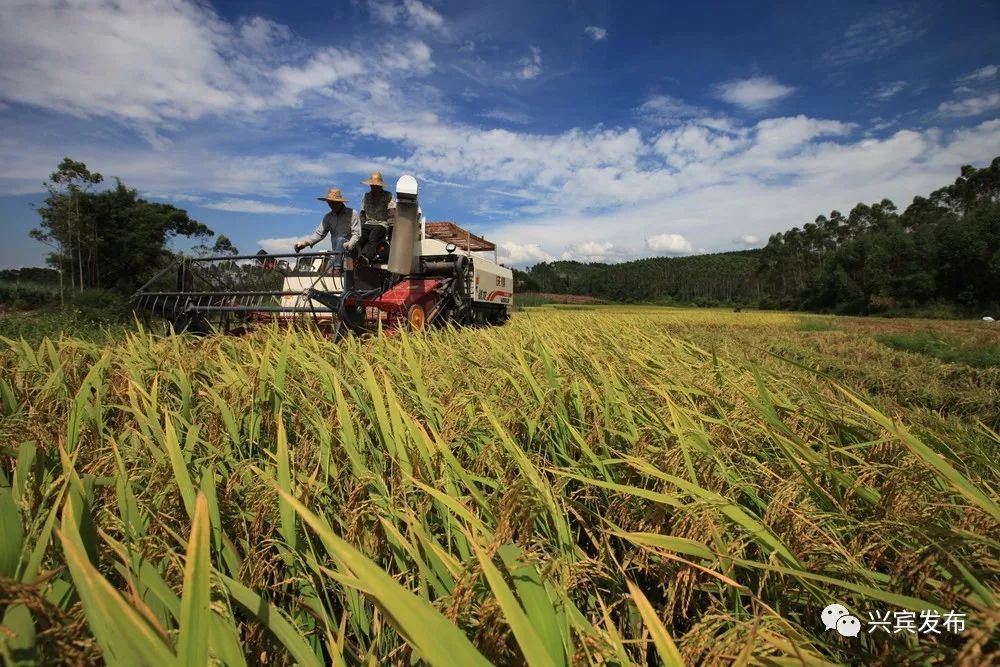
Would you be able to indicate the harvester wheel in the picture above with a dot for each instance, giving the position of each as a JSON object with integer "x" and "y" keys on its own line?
{"x": 416, "y": 317}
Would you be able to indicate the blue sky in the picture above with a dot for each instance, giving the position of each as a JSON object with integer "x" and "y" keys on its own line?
{"x": 597, "y": 131}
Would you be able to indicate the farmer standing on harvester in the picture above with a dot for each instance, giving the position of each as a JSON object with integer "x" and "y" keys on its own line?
{"x": 377, "y": 202}
{"x": 341, "y": 223}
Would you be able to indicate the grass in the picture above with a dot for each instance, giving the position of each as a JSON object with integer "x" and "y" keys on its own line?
{"x": 36, "y": 326}
{"x": 95, "y": 315}
{"x": 613, "y": 486}
{"x": 950, "y": 349}
{"x": 532, "y": 299}
{"x": 806, "y": 324}
{"x": 27, "y": 294}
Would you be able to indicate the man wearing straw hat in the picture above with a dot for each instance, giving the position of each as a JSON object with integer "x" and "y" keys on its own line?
{"x": 378, "y": 212}
{"x": 377, "y": 202}
{"x": 341, "y": 223}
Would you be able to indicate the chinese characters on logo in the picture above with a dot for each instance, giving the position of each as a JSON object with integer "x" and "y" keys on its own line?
{"x": 926, "y": 622}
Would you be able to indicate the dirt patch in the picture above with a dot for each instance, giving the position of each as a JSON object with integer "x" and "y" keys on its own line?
{"x": 561, "y": 298}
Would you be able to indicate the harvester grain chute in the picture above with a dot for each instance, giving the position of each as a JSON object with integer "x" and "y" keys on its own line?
{"x": 416, "y": 274}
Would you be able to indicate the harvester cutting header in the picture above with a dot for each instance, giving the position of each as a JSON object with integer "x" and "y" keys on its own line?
{"x": 394, "y": 269}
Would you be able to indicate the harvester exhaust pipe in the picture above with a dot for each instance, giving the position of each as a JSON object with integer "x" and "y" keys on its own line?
{"x": 404, "y": 230}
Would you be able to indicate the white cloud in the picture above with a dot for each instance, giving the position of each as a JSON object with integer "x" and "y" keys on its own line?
{"x": 162, "y": 62}
{"x": 417, "y": 13}
{"x": 669, "y": 244}
{"x": 889, "y": 90}
{"x": 976, "y": 93}
{"x": 385, "y": 11}
{"x": 261, "y": 34}
{"x": 778, "y": 136}
{"x": 423, "y": 15}
{"x": 982, "y": 74}
{"x": 176, "y": 197}
{"x": 970, "y": 106}
{"x": 880, "y": 124}
{"x": 755, "y": 93}
{"x": 697, "y": 143}
{"x": 280, "y": 245}
{"x": 254, "y": 206}
{"x": 748, "y": 240}
{"x": 667, "y": 110}
{"x": 876, "y": 35}
{"x": 594, "y": 251}
{"x": 529, "y": 67}
{"x": 757, "y": 188}
{"x": 522, "y": 254}
{"x": 595, "y": 32}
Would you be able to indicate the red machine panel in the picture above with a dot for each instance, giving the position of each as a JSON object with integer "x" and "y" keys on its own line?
{"x": 404, "y": 294}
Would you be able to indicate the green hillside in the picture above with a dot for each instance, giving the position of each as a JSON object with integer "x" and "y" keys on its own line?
{"x": 719, "y": 277}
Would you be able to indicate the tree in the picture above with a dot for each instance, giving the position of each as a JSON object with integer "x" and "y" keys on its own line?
{"x": 111, "y": 238}
{"x": 66, "y": 184}
{"x": 222, "y": 246}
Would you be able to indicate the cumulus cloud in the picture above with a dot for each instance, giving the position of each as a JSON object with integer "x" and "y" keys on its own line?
{"x": 594, "y": 251}
{"x": 777, "y": 136}
{"x": 755, "y": 93}
{"x": 522, "y": 254}
{"x": 528, "y": 67}
{"x": 237, "y": 205}
{"x": 595, "y": 32}
{"x": 280, "y": 245}
{"x": 769, "y": 187}
{"x": 169, "y": 61}
{"x": 748, "y": 240}
{"x": 669, "y": 244}
{"x": 694, "y": 142}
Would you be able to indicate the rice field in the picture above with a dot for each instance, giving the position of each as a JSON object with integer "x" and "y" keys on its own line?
{"x": 582, "y": 486}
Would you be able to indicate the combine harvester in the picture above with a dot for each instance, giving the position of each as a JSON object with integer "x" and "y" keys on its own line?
{"x": 423, "y": 274}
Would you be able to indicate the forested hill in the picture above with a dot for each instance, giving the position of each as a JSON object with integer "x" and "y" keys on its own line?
{"x": 708, "y": 279}
{"x": 942, "y": 250}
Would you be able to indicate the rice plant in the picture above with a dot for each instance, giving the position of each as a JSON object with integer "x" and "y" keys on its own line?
{"x": 650, "y": 486}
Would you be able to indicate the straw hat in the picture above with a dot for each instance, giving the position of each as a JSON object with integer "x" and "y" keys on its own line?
{"x": 374, "y": 179}
{"x": 333, "y": 194}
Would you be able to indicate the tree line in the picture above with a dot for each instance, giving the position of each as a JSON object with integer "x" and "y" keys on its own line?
{"x": 720, "y": 278}
{"x": 943, "y": 249}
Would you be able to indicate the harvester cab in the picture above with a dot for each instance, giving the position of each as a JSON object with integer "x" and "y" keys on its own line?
{"x": 410, "y": 273}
